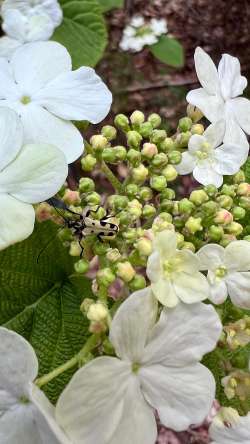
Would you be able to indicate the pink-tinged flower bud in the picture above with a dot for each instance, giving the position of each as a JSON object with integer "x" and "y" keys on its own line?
{"x": 43, "y": 212}
{"x": 223, "y": 217}
{"x": 243, "y": 189}
{"x": 97, "y": 327}
{"x": 149, "y": 150}
{"x": 71, "y": 197}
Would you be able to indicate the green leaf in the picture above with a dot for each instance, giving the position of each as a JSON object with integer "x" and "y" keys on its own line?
{"x": 107, "y": 5}
{"x": 41, "y": 301}
{"x": 168, "y": 50}
{"x": 83, "y": 31}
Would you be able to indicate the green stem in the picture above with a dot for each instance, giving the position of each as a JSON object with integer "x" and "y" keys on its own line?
{"x": 111, "y": 177}
{"x": 90, "y": 344}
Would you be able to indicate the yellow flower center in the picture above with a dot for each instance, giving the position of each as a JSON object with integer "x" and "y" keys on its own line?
{"x": 25, "y": 100}
{"x": 172, "y": 265}
{"x": 135, "y": 367}
{"x": 221, "y": 271}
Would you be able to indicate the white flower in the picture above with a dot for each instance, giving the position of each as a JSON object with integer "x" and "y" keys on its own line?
{"x": 218, "y": 97}
{"x": 228, "y": 427}
{"x": 35, "y": 7}
{"x": 228, "y": 271}
{"x": 113, "y": 399}
{"x": 208, "y": 159}
{"x": 28, "y": 174}
{"x": 137, "y": 21}
{"x": 38, "y": 83}
{"x": 27, "y": 21}
{"x": 26, "y": 415}
{"x": 174, "y": 274}
{"x": 159, "y": 26}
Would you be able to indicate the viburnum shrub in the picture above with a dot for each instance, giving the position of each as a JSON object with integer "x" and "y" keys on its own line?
{"x": 128, "y": 298}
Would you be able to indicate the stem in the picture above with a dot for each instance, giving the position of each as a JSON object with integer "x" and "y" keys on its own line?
{"x": 111, "y": 177}
{"x": 90, "y": 344}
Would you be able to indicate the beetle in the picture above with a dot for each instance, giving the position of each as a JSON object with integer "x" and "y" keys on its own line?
{"x": 86, "y": 225}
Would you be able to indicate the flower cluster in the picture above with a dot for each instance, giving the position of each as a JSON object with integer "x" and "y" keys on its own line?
{"x": 140, "y": 33}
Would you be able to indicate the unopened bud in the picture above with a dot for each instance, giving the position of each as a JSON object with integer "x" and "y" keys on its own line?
{"x": 229, "y": 190}
{"x": 43, "y": 212}
{"x": 120, "y": 153}
{"x": 88, "y": 162}
{"x": 167, "y": 193}
{"x": 234, "y": 228}
{"x": 125, "y": 271}
{"x": 174, "y": 157}
{"x": 135, "y": 208}
{"x": 121, "y": 121}
{"x": 238, "y": 213}
{"x": 98, "y": 142}
{"x": 148, "y": 211}
{"x": 225, "y": 201}
{"x": 86, "y": 303}
{"x": 166, "y": 145}
{"x": 145, "y": 193}
{"x": 239, "y": 177}
{"x": 81, "y": 266}
{"x": 137, "y": 118}
{"x": 185, "y": 124}
{"x": 137, "y": 283}
{"x": 93, "y": 198}
{"x": 158, "y": 136}
{"x": 75, "y": 248}
{"x": 109, "y": 132}
{"x": 159, "y": 160}
{"x": 97, "y": 312}
{"x": 71, "y": 197}
{"x": 144, "y": 246}
{"x": 86, "y": 185}
{"x": 158, "y": 183}
{"x": 105, "y": 277}
{"x": 145, "y": 130}
{"x": 198, "y": 197}
{"x": 194, "y": 113}
{"x": 155, "y": 120}
{"x": 188, "y": 246}
{"x": 193, "y": 224}
{"x": 227, "y": 239}
{"x": 134, "y": 139}
{"x": 197, "y": 128}
{"x": 149, "y": 150}
{"x": 97, "y": 327}
{"x": 244, "y": 202}
{"x": 211, "y": 190}
{"x": 113, "y": 255}
{"x": 109, "y": 155}
{"x": 215, "y": 233}
{"x": 243, "y": 189}
{"x": 185, "y": 206}
{"x": 140, "y": 173}
{"x": 120, "y": 202}
{"x": 182, "y": 139}
{"x": 134, "y": 157}
{"x": 223, "y": 217}
{"x": 170, "y": 173}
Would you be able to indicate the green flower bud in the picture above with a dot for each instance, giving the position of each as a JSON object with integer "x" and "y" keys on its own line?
{"x": 130, "y": 234}
{"x": 185, "y": 206}
{"x": 180, "y": 239}
{"x": 132, "y": 190}
{"x": 198, "y": 197}
{"x": 166, "y": 145}
{"x": 109, "y": 132}
{"x": 137, "y": 283}
{"x": 145, "y": 130}
{"x": 93, "y": 198}
{"x": 125, "y": 271}
{"x": 238, "y": 213}
{"x": 88, "y": 162}
{"x": 209, "y": 208}
{"x": 188, "y": 246}
{"x": 211, "y": 190}
{"x": 144, "y": 246}
{"x": 99, "y": 142}
{"x": 168, "y": 193}
{"x": 121, "y": 121}
{"x": 159, "y": 160}
{"x": 120, "y": 153}
{"x": 234, "y": 228}
{"x": 100, "y": 248}
{"x": 145, "y": 194}
{"x": 148, "y": 211}
{"x": 113, "y": 255}
{"x": 194, "y": 113}
{"x": 109, "y": 155}
{"x": 193, "y": 224}
{"x": 244, "y": 202}
{"x": 239, "y": 177}
{"x": 160, "y": 224}
{"x": 105, "y": 277}
{"x": 137, "y": 118}
{"x": 182, "y": 139}
{"x": 158, "y": 183}
{"x": 124, "y": 218}
{"x": 158, "y": 136}
{"x": 166, "y": 216}
{"x": 97, "y": 312}
{"x": 185, "y": 124}
{"x": 86, "y": 185}
{"x": 225, "y": 201}
{"x": 223, "y": 217}
{"x": 170, "y": 173}
{"x": 135, "y": 208}
{"x": 247, "y": 238}
{"x": 120, "y": 202}
{"x": 81, "y": 266}
{"x": 155, "y": 120}
{"x": 197, "y": 128}
{"x": 134, "y": 139}
{"x": 149, "y": 150}
{"x": 243, "y": 189}
{"x": 86, "y": 303}
{"x": 228, "y": 190}
{"x": 134, "y": 157}
{"x": 215, "y": 233}
{"x": 140, "y": 173}
{"x": 75, "y": 248}
{"x": 166, "y": 205}
{"x": 174, "y": 157}
{"x": 227, "y": 239}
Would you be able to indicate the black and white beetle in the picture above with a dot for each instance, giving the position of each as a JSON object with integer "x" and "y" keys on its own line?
{"x": 86, "y": 225}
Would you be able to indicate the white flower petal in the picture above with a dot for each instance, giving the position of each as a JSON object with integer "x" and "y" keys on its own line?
{"x": 229, "y": 158}
{"x": 35, "y": 64}
{"x": 234, "y": 133}
{"x": 11, "y": 136}
{"x": 29, "y": 7}
{"x": 41, "y": 27}
{"x": 154, "y": 270}
{"x": 232, "y": 84}
{"x": 238, "y": 285}
{"x": 40, "y": 126}
{"x": 218, "y": 289}
{"x": 165, "y": 243}
{"x": 76, "y": 95}
{"x": 211, "y": 106}
{"x": 164, "y": 291}
{"x": 191, "y": 288}
{"x": 91, "y": 406}
{"x": 131, "y": 324}
{"x": 211, "y": 256}
{"x": 8, "y": 46}
{"x": 214, "y": 133}
{"x": 237, "y": 433}
{"x": 36, "y": 174}
{"x": 206, "y": 175}
{"x": 188, "y": 261}
{"x": 237, "y": 255}
{"x": 19, "y": 365}
{"x": 7, "y": 83}
{"x": 206, "y": 71}
{"x": 195, "y": 143}
{"x": 183, "y": 335}
{"x": 241, "y": 109}
{"x": 16, "y": 222}
{"x": 182, "y": 396}
{"x": 187, "y": 164}
{"x": 14, "y": 24}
